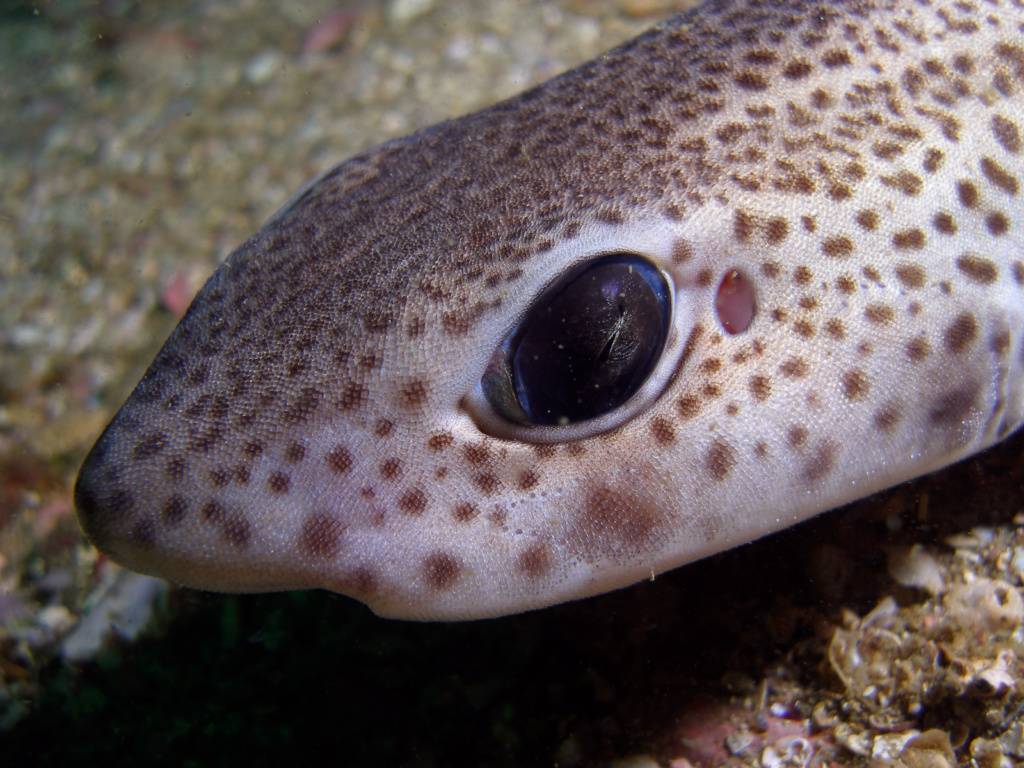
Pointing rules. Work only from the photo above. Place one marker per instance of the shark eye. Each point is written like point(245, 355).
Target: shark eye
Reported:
point(584, 347)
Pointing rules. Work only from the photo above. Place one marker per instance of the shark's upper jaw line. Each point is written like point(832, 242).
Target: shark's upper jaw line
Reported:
point(316, 418)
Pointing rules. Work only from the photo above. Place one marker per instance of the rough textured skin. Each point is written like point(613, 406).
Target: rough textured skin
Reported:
point(859, 163)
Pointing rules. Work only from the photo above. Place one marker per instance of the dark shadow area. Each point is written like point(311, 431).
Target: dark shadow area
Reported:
point(258, 680)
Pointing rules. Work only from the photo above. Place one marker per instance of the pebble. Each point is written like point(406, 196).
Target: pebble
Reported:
point(263, 67)
point(404, 11)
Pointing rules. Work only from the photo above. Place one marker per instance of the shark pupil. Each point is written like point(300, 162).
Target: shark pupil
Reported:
point(586, 346)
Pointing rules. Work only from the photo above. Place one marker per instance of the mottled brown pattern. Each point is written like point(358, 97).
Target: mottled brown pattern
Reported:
point(858, 162)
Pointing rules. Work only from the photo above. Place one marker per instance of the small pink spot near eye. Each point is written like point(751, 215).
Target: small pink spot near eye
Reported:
point(734, 302)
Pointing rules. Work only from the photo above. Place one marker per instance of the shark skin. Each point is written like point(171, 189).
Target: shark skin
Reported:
point(831, 192)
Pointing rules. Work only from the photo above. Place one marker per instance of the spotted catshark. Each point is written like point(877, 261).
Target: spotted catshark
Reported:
point(760, 261)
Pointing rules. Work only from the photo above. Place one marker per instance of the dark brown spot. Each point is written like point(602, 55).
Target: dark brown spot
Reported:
point(542, 451)
point(175, 510)
point(304, 406)
point(821, 99)
point(803, 329)
point(999, 176)
point(742, 226)
point(846, 284)
point(879, 314)
point(838, 247)
point(391, 468)
point(278, 482)
point(383, 427)
point(837, 57)
point(253, 449)
point(978, 269)
point(149, 446)
point(219, 477)
point(918, 348)
point(682, 251)
point(777, 230)
point(796, 436)
point(961, 333)
point(321, 535)
point(689, 406)
point(795, 368)
point(720, 460)
point(534, 561)
point(855, 385)
point(932, 160)
point(867, 219)
point(944, 223)
point(487, 482)
point(997, 223)
point(821, 462)
point(910, 275)
point(295, 453)
point(353, 395)
point(339, 459)
point(440, 440)
point(237, 530)
point(910, 184)
point(414, 393)
point(413, 501)
point(887, 417)
point(176, 469)
point(464, 512)
point(909, 239)
point(751, 81)
point(441, 570)
point(1000, 343)
point(802, 275)
point(611, 521)
point(797, 69)
point(1007, 134)
point(663, 431)
point(476, 453)
point(760, 387)
point(968, 193)
point(528, 480)
point(835, 328)
point(213, 512)
point(954, 406)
